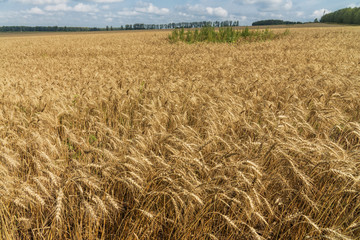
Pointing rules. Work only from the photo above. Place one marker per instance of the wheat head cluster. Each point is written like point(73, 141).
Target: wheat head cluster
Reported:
point(124, 135)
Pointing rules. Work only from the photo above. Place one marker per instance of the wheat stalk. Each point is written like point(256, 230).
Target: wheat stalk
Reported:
point(59, 205)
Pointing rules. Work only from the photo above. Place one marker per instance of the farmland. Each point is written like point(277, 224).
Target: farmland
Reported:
point(124, 135)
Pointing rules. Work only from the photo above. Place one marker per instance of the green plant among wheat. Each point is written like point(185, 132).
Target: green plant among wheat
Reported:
point(223, 35)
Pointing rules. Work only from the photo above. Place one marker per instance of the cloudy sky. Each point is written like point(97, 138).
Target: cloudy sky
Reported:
point(100, 13)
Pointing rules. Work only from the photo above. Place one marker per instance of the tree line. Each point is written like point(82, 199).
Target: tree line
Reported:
point(136, 26)
point(345, 15)
point(273, 22)
point(184, 25)
point(47, 29)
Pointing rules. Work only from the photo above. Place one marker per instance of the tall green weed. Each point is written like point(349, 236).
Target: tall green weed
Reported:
point(223, 35)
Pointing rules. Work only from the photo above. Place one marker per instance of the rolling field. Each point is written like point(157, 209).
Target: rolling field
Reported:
point(125, 136)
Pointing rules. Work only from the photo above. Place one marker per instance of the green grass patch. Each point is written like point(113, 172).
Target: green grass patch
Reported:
point(223, 35)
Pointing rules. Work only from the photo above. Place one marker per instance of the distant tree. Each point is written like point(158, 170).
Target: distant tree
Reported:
point(348, 16)
point(272, 22)
point(345, 15)
point(357, 16)
point(316, 20)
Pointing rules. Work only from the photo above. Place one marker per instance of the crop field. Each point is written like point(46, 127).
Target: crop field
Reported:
point(124, 135)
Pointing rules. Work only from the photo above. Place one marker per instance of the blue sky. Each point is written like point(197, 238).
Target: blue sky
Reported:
point(100, 13)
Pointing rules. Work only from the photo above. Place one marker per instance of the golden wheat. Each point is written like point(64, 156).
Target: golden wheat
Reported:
point(123, 135)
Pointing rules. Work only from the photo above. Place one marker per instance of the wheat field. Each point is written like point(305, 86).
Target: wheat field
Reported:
point(123, 135)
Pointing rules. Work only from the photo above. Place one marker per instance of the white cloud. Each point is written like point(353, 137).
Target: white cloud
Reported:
point(106, 7)
point(353, 5)
point(59, 7)
point(36, 10)
point(127, 13)
point(150, 8)
point(261, 1)
point(107, 1)
point(142, 9)
point(85, 8)
point(41, 2)
point(184, 14)
point(196, 9)
point(300, 14)
point(269, 5)
point(288, 5)
point(271, 15)
point(319, 13)
point(77, 8)
point(202, 11)
point(219, 12)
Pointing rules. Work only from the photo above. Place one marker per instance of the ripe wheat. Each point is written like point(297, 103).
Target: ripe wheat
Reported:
point(124, 135)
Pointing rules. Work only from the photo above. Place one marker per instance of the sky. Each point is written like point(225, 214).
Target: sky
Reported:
point(101, 13)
